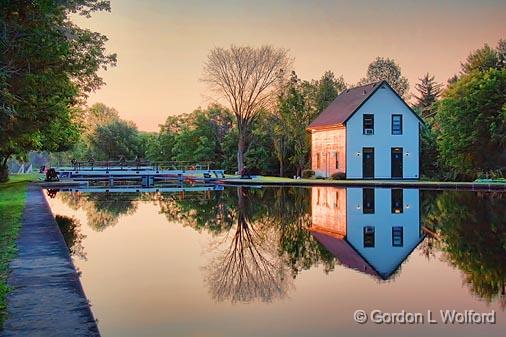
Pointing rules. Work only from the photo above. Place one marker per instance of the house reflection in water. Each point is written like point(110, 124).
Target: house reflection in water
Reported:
point(370, 230)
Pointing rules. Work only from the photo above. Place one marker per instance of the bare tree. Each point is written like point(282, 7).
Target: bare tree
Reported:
point(250, 268)
point(247, 78)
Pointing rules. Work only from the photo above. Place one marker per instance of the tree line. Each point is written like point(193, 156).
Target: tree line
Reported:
point(261, 111)
point(463, 137)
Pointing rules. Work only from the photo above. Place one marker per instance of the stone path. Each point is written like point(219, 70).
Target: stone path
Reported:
point(46, 298)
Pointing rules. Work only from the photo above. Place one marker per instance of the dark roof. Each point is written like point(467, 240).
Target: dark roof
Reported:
point(347, 103)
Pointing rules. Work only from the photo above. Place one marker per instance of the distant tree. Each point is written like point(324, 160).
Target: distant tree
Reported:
point(247, 78)
point(429, 91)
point(115, 140)
point(47, 66)
point(202, 134)
point(387, 69)
point(471, 123)
point(97, 115)
point(259, 157)
point(327, 89)
point(295, 116)
point(484, 58)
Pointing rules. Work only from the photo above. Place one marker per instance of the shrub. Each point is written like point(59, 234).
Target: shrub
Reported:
point(308, 174)
point(338, 176)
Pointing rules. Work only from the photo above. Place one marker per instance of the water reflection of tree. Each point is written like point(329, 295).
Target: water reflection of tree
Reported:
point(291, 212)
point(71, 230)
point(250, 267)
point(211, 211)
point(471, 229)
point(102, 209)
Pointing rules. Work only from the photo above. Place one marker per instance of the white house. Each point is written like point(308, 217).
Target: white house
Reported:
point(370, 230)
point(367, 132)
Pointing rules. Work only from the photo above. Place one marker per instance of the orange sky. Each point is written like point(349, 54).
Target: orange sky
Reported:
point(162, 45)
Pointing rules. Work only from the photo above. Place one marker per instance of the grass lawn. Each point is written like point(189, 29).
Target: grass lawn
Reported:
point(12, 201)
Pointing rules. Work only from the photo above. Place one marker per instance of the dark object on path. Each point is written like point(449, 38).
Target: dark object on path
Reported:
point(308, 174)
point(52, 193)
point(52, 175)
point(245, 173)
point(42, 169)
point(338, 176)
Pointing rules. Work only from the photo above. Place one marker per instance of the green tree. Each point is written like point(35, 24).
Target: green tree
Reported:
point(387, 69)
point(116, 140)
point(327, 89)
point(48, 65)
point(485, 58)
point(471, 123)
point(429, 91)
point(295, 116)
point(201, 135)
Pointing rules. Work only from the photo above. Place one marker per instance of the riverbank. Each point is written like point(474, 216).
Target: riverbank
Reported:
point(12, 202)
point(46, 297)
point(279, 181)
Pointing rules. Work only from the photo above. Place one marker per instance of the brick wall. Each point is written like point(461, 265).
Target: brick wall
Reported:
point(328, 209)
point(327, 144)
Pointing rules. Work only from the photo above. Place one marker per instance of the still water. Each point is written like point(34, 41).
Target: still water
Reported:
point(287, 261)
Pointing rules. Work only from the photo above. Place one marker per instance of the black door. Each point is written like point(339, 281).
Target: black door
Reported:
point(397, 162)
point(368, 162)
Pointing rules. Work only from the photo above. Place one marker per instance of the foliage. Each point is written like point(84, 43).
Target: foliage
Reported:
point(298, 104)
point(485, 58)
point(471, 123)
point(472, 231)
point(429, 91)
point(48, 65)
point(308, 174)
point(338, 176)
point(116, 140)
point(387, 69)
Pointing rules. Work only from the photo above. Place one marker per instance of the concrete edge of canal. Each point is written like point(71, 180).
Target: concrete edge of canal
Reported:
point(472, 186)
point(46, 298)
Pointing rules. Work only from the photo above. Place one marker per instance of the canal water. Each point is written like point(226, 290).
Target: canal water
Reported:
point(289, 261)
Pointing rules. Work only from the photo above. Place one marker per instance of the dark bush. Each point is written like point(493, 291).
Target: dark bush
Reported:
point(308, 174)
point(338, 176)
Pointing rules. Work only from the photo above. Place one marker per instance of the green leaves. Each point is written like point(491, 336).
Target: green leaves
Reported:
point(470, 123)
point(47, 66)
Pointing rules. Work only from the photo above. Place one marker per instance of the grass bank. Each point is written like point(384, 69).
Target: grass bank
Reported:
point(12, 201)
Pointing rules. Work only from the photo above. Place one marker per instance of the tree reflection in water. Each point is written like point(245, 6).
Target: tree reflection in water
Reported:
point(71, 231)
point(102, 209)
point(261, 242)
point(471, 232)
point(249, 268)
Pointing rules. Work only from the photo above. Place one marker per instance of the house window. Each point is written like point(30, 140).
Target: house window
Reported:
point(397, 236)
point(369, 236)
point(318, 163)
point(337, 199)
point(368, 124)
point(396, 124)
point(337, 160)
point(368, 200)
point(397, 204)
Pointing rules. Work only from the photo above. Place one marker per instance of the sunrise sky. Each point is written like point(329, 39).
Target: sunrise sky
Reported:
point(162, 45)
